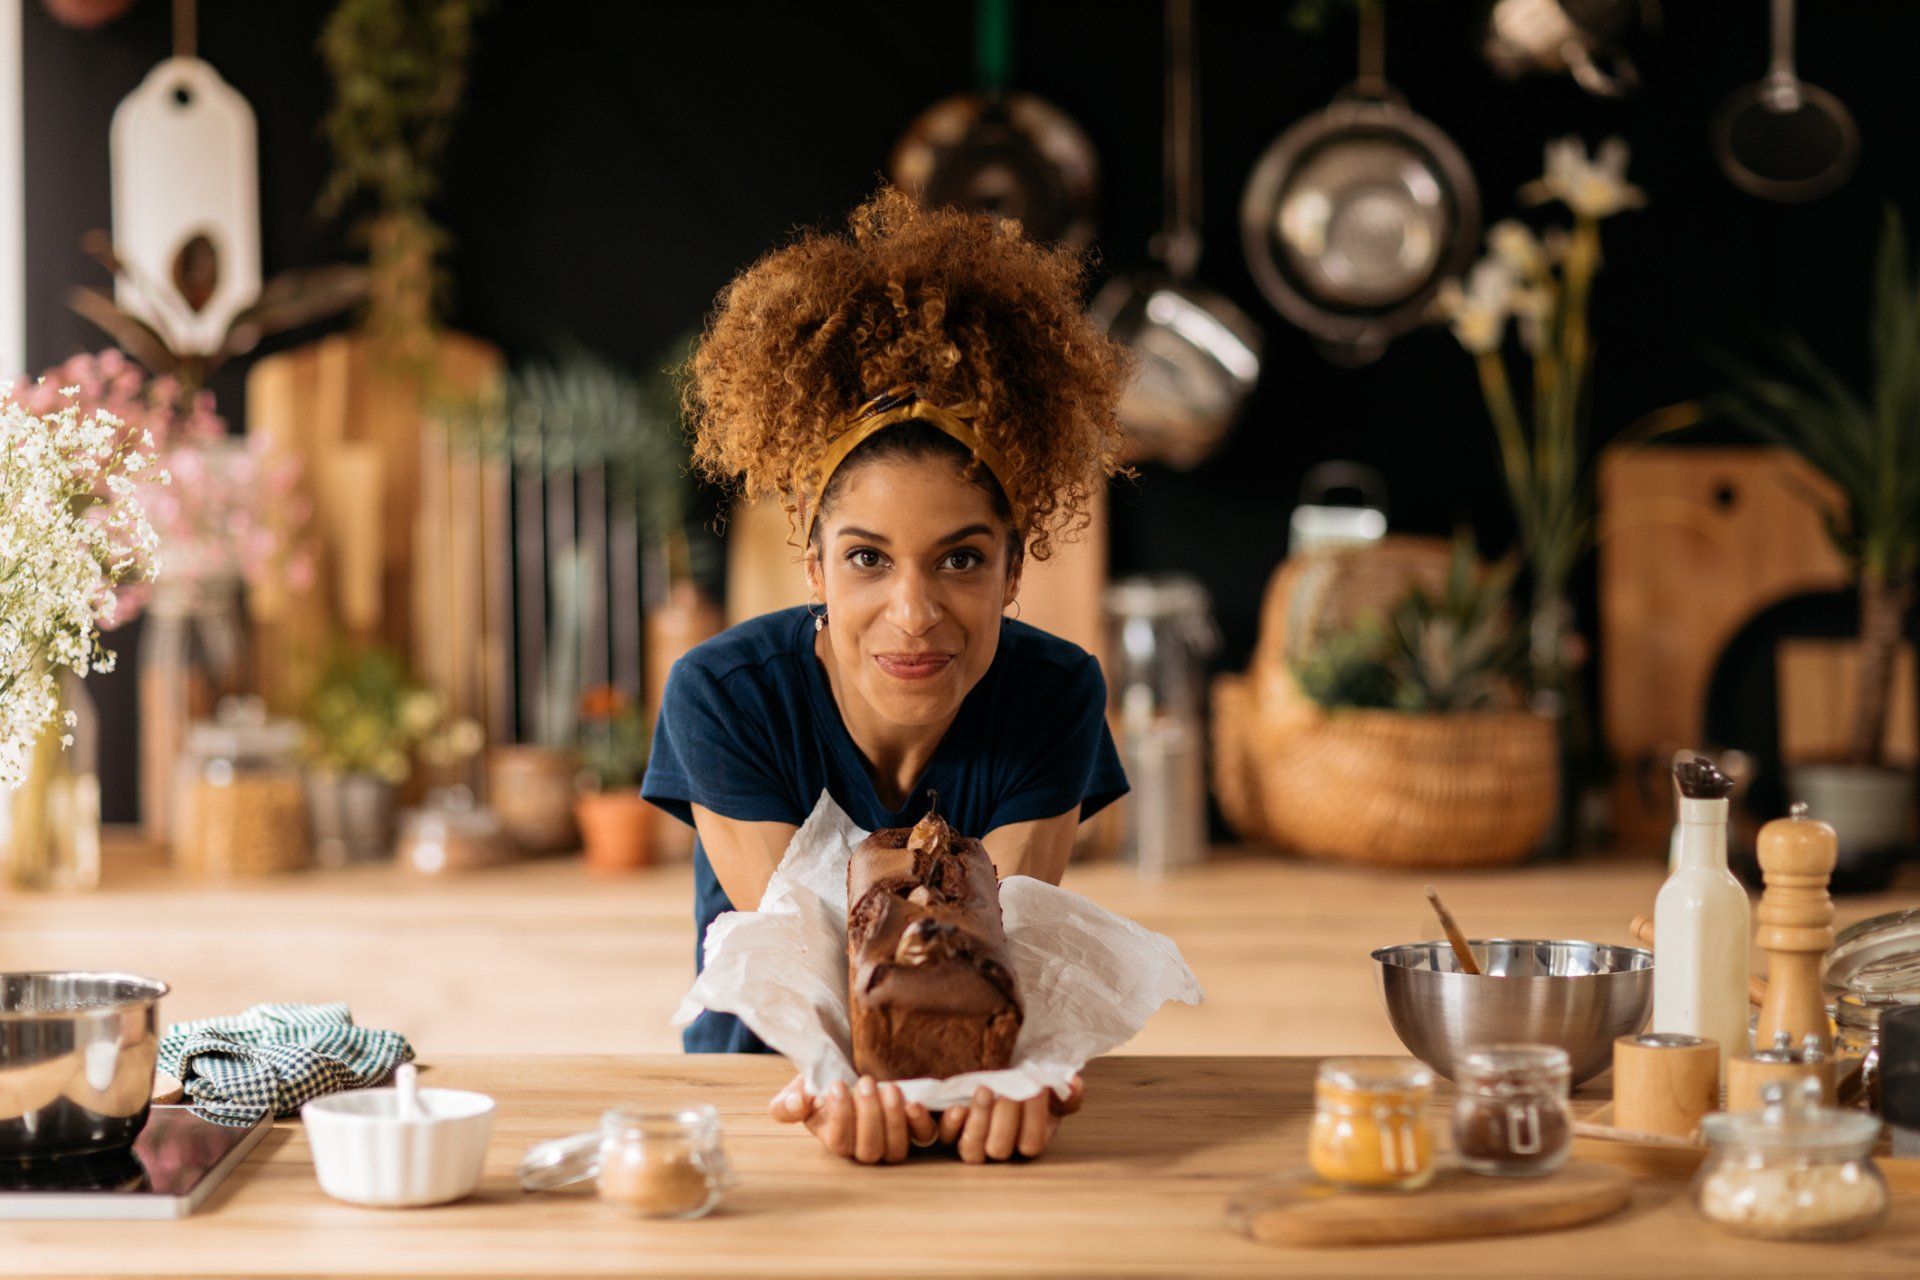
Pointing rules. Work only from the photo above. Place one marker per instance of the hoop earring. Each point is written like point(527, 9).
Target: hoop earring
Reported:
point(1016, 612)
point(819, 619)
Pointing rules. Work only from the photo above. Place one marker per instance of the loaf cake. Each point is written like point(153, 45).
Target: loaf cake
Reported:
point(930, 989)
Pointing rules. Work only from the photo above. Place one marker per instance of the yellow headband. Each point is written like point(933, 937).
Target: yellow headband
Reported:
point(900, 404)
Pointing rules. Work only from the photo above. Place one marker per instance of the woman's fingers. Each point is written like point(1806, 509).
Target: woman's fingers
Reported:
point(833, 1122)
point(1003, 1131)
point(1076, 1094)
point(791, 1104)
point(922, 1129)
point(869, 1129)
point(1037, 1123)
point(973, 1135)
point(952, 1121)
point(893, 1113)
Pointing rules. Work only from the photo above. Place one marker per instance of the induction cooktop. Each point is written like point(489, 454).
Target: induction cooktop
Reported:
point(175, 1163)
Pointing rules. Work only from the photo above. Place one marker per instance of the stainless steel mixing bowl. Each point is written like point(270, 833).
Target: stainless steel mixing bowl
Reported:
point(1579, 996)
point(77, 1057)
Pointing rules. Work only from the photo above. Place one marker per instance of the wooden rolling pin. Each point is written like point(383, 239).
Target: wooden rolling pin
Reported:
point(1642, 930)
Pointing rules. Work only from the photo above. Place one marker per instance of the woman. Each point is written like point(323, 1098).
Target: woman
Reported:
point(929, 403)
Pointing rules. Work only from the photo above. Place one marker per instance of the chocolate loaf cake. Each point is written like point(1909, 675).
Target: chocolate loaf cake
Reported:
point(931, 991)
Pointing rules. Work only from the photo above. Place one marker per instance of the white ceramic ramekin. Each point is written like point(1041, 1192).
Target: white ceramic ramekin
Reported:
point(365, 1153)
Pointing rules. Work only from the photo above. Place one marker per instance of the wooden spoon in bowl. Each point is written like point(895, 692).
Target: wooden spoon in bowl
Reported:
point(1461, 951)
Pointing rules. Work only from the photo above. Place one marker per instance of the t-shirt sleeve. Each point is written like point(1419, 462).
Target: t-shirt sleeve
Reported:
point(713, 746)
point(1070, 757)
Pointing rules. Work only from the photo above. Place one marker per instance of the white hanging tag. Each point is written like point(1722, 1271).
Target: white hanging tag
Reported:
point(186, 204)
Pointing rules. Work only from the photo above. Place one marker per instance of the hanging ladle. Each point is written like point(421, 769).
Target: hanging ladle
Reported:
point(1781, 138)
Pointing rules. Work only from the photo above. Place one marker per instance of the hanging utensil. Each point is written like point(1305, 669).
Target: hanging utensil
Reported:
point(1586, 39)
point(186, 205)
point(1781, 138)
point(1353, 217)
point(1199, 354)
point(1001, 151)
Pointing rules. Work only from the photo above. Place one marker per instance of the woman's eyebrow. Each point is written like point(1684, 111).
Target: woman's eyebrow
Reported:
point(867, 535)
point(961, 535)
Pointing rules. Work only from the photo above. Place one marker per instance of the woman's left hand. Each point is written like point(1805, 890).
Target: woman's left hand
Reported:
point(995, 1128)
point(870, 1123)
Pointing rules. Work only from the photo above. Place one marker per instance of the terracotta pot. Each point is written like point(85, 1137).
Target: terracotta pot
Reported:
point(683, 621)
point(531, 789)
point(617, 828)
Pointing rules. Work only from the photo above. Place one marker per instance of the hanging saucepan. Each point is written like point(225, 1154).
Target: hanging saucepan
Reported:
point(1199, 354)
point(1354, 216)
point(1000, 151)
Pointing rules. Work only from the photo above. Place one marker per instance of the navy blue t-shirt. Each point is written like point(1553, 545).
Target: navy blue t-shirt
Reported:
point(749, 730)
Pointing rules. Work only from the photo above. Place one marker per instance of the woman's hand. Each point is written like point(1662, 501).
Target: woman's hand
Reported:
point(993, 1128)
point(870, 1123)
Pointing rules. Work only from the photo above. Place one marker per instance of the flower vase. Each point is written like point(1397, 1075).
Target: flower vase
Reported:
point(1557, 695)
point(50, 823)
point(192, 652)
point(352, 816)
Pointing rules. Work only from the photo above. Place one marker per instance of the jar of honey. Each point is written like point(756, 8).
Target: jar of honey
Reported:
point(1369, 1124)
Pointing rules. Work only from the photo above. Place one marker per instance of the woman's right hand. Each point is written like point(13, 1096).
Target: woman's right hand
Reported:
point(870, 1123)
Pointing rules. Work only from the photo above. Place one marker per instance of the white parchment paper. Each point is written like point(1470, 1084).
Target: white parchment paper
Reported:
point(1088, 979)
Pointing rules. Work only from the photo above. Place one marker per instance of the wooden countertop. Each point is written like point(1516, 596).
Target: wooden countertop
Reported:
point(545, 954)
point(1135, 1185)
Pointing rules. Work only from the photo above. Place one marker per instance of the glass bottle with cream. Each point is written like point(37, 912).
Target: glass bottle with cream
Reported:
point(1701, 922)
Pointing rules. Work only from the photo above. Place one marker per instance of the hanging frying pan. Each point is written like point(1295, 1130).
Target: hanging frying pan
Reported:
point(1354, 216)
point(1199, 354)
point(1001, 151)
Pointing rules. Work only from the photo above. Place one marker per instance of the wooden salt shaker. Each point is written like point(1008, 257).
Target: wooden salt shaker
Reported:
point(1797, 856)
point(1664, 1083)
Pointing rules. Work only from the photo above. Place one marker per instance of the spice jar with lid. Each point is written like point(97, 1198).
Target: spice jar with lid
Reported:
point(1794, 1170)
point(1369, 1124)
point(652, 1164)
point(1510, 1116)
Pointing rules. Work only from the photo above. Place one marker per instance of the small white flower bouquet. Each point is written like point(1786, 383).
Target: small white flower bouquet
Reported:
point(72, 529)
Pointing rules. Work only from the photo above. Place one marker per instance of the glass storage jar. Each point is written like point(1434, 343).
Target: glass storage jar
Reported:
point(1369, 1124)
point(240, 805)
point(1510, 1115)
point(1794, 1170)
point(650, 1163)
point(1856, 1020)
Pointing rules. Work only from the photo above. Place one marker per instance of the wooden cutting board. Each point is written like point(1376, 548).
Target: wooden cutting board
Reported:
point(1301, 1211)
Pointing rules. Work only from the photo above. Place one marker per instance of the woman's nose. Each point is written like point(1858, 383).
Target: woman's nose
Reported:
point(913, 610)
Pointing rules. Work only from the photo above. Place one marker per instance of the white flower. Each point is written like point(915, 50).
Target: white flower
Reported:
point(1513, 242)
point(1596, 188)
point(1532, 309)
point(1478, 313)
point(71, 529)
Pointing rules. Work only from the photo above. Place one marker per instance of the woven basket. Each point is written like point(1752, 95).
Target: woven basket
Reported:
point(1383, 787)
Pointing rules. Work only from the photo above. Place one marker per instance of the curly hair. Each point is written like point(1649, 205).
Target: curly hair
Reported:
point(960, 305)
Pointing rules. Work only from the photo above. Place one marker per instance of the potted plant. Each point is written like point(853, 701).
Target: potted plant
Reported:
point(72, 530)
point(363, 720)
point(616, 825)
point(1867, 443)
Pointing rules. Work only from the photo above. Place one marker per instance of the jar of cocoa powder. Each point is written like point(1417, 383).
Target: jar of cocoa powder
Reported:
point(1510, 1116)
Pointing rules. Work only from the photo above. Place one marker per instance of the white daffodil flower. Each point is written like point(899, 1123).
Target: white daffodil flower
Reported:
point(1513, 242)
point(1478, 313)
point(1532, 311)
point(1592, 188)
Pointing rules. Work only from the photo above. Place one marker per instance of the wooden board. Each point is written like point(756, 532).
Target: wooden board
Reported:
point(1302, 1211)
point(1816, 691)
point(1692, 544)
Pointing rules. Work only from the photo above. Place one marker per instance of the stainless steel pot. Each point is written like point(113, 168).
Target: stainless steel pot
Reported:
point(1354, 216)
point(77, 1058)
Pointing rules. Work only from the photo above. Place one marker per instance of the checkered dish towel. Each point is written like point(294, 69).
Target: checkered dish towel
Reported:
point(274, 1057)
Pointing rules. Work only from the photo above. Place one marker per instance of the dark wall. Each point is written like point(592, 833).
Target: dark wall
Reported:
point(618, 161)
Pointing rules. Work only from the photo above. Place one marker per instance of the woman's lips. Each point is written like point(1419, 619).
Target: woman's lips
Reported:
point(913, 666)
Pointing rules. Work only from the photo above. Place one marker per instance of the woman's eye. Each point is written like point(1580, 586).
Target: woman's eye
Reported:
point(965, 558)
point(865, 558)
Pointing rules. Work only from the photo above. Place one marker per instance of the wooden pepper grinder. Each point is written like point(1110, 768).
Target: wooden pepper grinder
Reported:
point(1797, 855)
